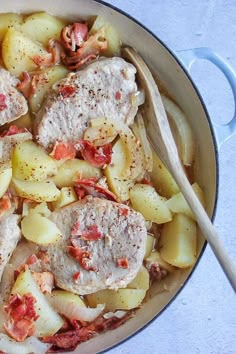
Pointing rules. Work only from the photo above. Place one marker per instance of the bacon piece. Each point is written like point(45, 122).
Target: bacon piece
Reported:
point(24, 86)
point(123, 211)
point(92, 234)
point(43, 256)
point(21, 316)
point(3, 104)
point(45, 281)
point(123, 263)
point(88, 50)
point(12, 130)
point(155, 271)
point(76, 276)
point(70, 339)
point(76, 229)
point(118, 95)
point(98, 157)
point(43, 61)
point(56, 49)
point(5, 204)
point(73, 36)
point(67, 91)
point(91, 187)
point(146, 181)
point(63, 151)
point(80, 255)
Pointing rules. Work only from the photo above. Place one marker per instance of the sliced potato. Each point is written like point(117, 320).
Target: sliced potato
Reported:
point(150, 243)
point(161, 178)
point(178, 204)
point(42, 26)
point(5, 179)
point(117, 184)
point(9, 20)
point(18, 51)
point(67, 297)
point(42, 209)
point(31, 163)
point(37, 191)
point(149, 203)
point(51, 76)
point(67, 197)
point(71, 170)
point(111, 35)
point(121, 299)
point(39, 229)
point(48, 322)
point(155, 257)
point(178, 241)
point(141, 281)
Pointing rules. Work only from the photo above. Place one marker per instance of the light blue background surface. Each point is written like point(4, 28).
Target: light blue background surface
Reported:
point(202, 319)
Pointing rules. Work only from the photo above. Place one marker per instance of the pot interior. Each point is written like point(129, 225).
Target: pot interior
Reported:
point(180, 88)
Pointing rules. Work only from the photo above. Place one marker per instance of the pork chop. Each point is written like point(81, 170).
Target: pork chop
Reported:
point(106, 246)
point(12, 102)
point(9, 236)
point(105, 88)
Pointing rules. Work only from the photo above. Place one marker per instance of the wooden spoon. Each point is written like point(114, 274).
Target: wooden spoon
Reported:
point(161, 138)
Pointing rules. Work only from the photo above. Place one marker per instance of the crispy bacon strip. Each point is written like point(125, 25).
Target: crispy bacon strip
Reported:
point(21, 316)
point(71, 338)
point(98, 157)
point(80, 255)
point(63, 151)
point(12, 131)
point(89, 186)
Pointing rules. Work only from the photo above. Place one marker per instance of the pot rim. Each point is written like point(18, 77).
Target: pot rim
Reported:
point(173, 54)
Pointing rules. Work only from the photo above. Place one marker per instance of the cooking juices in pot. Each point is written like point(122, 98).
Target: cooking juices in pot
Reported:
point(89, 215)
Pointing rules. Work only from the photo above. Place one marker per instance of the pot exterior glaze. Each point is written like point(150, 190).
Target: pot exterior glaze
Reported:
point(180, 87)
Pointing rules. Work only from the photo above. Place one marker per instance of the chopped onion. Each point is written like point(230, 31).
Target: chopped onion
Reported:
point(30, 345)
point(73, 310)
point(7, 282)
point(181, 130)
point(117, 314)
point(139, 131)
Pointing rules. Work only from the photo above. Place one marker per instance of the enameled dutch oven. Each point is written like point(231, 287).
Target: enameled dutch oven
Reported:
point(173, 74)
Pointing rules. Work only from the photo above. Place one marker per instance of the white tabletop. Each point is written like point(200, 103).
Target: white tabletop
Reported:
point(202, 319)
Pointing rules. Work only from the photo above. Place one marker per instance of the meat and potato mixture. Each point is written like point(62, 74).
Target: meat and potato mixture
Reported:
point(89, 215)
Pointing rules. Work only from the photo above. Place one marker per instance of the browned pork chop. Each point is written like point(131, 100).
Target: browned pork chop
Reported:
point(12, 102)
point(9, 236)
point(112, 238)
point(105, 88)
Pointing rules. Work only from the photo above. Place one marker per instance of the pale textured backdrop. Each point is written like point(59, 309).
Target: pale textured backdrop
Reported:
point(202, 319)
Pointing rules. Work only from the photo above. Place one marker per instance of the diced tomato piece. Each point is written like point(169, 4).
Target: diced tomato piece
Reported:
point(63, 151)
point(98, 157)
point(67, 91)
point(12, 131)
point(3, 104)
point(123, 263)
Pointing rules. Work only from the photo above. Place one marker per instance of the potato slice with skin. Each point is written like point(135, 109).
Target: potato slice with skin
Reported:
point(37, 191)
point(31, 163)
point(48, 322)
point(161, 178)
point(42, 26)
point(149, 203)
point(178, 204)
point(51, 75)
point(111, 35)
point(121, 299)
point(9, 20)
point(18, 51)
point(116, 183)
point(178, 241)
point(39, 229)
point(67, 197)
point(141, 281)
point(5, 179)
point(71, 170)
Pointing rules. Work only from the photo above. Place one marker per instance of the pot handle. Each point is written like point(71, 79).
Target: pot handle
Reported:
point(222, 131)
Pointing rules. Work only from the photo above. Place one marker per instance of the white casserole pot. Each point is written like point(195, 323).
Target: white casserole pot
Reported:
point(174, 76)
